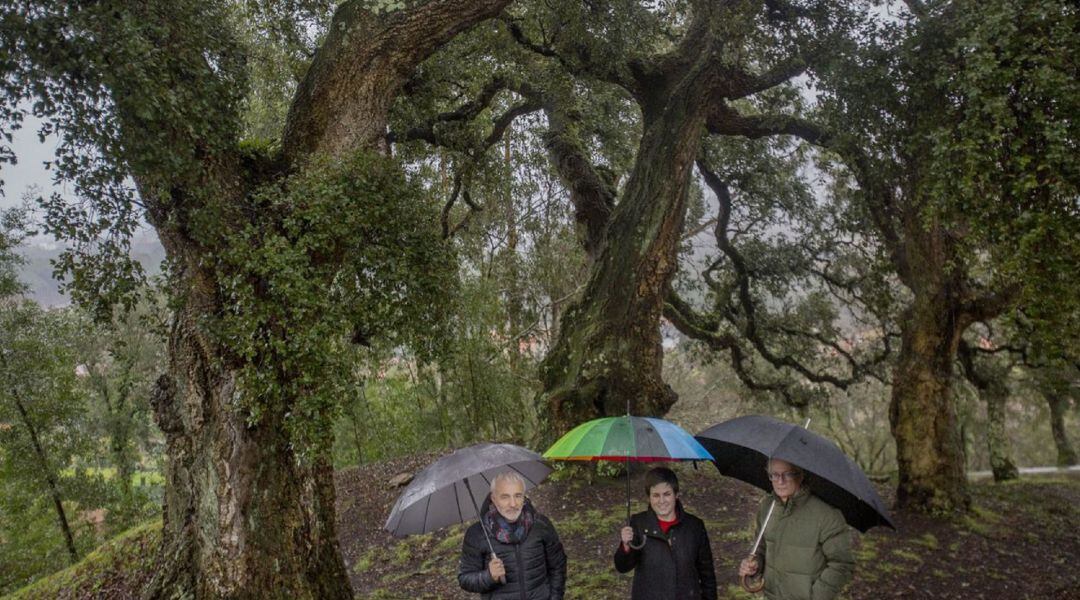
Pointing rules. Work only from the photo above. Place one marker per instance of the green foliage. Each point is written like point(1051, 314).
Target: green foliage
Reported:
point(339, 253)
point(43, 429)
point(1005, 153)
point(128, 90)
point(967, 115)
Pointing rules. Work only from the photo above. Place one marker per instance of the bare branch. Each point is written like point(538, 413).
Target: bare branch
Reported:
point(746, 321)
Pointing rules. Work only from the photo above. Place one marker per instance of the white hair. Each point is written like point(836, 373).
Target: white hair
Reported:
point(512, 476)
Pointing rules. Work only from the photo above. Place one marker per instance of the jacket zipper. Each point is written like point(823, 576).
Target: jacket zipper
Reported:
point(521, 569)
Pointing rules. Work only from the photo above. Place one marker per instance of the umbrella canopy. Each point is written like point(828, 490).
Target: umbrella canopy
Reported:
point(450, 489)
point(741, 448)
point(626, 438)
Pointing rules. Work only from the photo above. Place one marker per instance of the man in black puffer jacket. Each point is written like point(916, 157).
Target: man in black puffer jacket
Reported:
point(666, 547)
point(528, 562)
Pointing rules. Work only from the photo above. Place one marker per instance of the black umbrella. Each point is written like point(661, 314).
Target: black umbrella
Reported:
point(742, 447)
point(451, 489)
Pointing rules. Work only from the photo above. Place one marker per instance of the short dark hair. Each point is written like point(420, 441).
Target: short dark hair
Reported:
point(658, 475)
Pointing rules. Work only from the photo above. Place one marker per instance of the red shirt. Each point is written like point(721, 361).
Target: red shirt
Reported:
point(666, 525)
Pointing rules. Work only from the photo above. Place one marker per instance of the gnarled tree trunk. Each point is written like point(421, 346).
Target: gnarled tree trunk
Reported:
point(922, 413)
point(997, 440)
point(608, 355)
point(246, 516)
point(1066, 453)
point(989, 380)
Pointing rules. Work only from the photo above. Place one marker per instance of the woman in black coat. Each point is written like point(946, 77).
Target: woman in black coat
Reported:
point(666, 547)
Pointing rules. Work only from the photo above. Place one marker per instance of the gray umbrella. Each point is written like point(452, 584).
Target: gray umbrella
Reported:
point(742, 446)
point(451, 489)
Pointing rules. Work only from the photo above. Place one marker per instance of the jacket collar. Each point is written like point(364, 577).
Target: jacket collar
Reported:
point(794, 502)
point(652, 526)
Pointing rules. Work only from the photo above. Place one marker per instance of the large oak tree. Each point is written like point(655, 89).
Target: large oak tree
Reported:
point(277, 252)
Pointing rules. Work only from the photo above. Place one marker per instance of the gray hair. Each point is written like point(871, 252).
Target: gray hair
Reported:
point(512, 476)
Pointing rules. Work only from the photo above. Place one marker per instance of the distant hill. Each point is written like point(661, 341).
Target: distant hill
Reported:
point(37, 273)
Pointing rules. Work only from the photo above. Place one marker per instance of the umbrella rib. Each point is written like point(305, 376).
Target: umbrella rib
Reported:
point(520, 472)
point(457, 500)
point(426, 507)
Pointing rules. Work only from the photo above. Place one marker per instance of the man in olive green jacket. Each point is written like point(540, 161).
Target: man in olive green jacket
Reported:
point(806, 550)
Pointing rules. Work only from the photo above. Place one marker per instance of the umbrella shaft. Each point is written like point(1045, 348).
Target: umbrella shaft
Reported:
point(761, 533)
point(479, 516)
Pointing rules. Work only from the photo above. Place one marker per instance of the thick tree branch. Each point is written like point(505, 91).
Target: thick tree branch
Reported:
point(342, 103)
point(703, 329)
point(592, 190)
point(752, 84)
point(581, 62)
point(466, 112)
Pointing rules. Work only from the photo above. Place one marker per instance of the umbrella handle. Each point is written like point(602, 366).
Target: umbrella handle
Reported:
point(752, 584)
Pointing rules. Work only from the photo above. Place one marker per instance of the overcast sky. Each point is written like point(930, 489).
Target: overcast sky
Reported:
point(30, 171)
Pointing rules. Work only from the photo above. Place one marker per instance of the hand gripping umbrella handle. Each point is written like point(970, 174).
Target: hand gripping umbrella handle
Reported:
point(756, 583)
point(753, 584)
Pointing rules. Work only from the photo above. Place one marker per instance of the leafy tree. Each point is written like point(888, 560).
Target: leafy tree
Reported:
point(961, 117)
point(953, 121)
point(121, 361)
point(280, 253)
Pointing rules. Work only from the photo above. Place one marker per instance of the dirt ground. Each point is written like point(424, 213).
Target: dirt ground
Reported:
point(1021, 540)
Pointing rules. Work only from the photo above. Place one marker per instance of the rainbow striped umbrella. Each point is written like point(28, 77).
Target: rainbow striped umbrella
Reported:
point(627, 439)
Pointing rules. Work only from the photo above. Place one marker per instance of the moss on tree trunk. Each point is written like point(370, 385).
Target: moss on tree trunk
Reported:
point(922, 413)
point(608, 355)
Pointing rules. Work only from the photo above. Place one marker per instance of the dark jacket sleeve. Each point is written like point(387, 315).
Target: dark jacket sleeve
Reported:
point(473, 575)
point(705, 568)
point(556, 563)
point(626, 561)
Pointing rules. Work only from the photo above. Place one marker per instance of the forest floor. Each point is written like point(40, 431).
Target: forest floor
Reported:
point(1020, 540)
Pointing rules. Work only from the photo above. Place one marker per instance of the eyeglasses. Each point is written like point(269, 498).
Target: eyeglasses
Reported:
point(785, 476)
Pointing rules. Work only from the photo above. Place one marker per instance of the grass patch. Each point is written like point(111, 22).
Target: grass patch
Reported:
point(593, 523)
point(928, 540)
point(907, 555)
point(366, 561)
point(592, 580)
point(866, 551)
point(981, 520)
point(736, 592)
point(131, 552)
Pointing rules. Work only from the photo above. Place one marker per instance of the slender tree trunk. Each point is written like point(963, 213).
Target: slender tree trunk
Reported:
point(1066, 454)
point(1001, 462)
point(119, 447)
point(922, 413)
point(357, 429)
point(989, 380)
point(50, 479)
